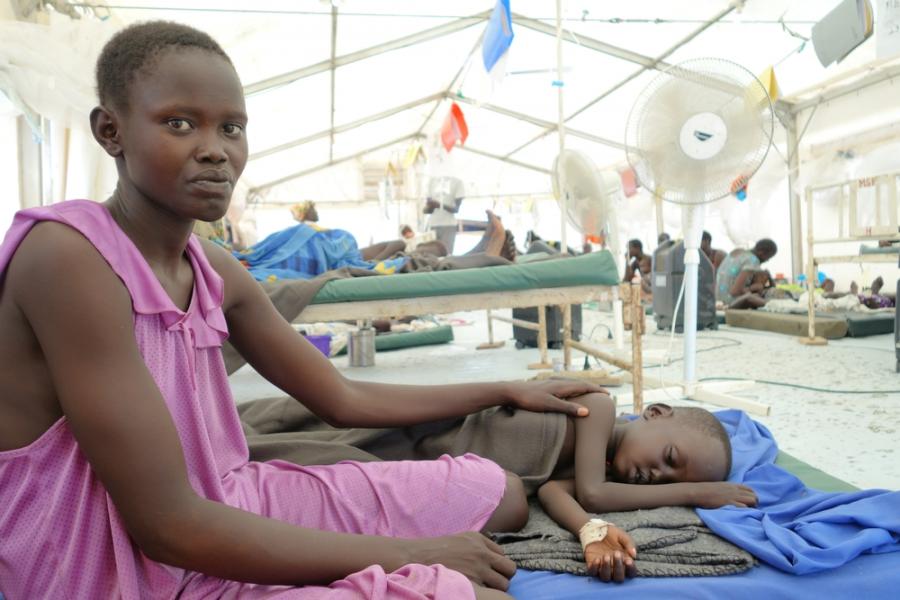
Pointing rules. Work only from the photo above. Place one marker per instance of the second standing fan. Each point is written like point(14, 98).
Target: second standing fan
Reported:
point(698, 130)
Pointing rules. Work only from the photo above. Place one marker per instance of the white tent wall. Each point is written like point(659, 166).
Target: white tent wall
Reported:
point(851, 137)
point(513, 122)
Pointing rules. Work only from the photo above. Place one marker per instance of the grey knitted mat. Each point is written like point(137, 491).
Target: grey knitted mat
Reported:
point(670, 541)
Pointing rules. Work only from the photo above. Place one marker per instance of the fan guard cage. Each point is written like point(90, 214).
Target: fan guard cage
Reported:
point(697, 129)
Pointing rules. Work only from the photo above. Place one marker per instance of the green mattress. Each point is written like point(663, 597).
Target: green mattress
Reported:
point(597, 268)
point(828, 325)
point(411, 339)
point(811, 476)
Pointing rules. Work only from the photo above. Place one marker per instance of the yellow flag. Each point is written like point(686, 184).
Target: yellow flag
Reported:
point(412, 154)
point(770, 83)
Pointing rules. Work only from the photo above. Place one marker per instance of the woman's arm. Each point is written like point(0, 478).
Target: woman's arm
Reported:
point(82, 316)
point(739, 286)
point(283, 357)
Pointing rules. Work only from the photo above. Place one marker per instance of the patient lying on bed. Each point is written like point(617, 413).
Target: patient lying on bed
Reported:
point(307, 250)
point(874, 299)
point(666, 457)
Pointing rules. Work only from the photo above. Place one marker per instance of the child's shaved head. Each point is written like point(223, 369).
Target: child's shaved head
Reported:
point(705, 422)
point(134, 49)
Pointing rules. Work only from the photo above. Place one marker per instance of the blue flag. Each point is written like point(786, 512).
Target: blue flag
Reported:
point(498, 36)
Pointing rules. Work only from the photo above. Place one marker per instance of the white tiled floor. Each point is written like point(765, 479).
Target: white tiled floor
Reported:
point(855, 437)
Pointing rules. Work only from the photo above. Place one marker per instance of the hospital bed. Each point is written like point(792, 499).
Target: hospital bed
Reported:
point(557, 282)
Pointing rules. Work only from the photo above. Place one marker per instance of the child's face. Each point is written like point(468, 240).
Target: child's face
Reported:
point(661, 450)
point(183, 137)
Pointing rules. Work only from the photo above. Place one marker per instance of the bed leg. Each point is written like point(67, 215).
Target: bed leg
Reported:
point(542, 340)
point(490, 344)
point(637, 367)
point(567, 336)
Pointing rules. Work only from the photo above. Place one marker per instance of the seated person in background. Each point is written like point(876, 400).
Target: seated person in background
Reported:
point(715, 255)
point(738, 266)
point(759, 288)
point(638, 262)
point(666, 457)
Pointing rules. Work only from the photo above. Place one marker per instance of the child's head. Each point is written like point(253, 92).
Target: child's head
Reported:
point(305, 211)
point(407, 232)
point(669, 445)
point(172, 114)
point(762, 276)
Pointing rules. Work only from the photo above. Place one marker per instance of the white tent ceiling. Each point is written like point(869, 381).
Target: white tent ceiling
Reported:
point(330, 81)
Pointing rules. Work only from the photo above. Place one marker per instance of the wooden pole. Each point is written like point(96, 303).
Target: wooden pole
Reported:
point(637, 369)
point(542, 340)
point(812, 339)
point(490, 344)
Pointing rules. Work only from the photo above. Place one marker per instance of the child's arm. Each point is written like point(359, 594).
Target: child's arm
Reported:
point(283, 357)
point(82, 317)
point(611, 559)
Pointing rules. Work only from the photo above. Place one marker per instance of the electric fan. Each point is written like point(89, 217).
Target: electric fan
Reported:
point(696, 134)
point(591, 196)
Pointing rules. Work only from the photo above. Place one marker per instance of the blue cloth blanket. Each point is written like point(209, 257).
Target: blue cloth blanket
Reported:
point(303, 252)
point(794, 528)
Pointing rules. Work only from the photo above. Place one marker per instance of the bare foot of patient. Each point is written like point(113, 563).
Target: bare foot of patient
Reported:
point(495, 235)
point(509, 251)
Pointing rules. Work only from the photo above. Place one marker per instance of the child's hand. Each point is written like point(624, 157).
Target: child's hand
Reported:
point(613, 558)
point(715, 494)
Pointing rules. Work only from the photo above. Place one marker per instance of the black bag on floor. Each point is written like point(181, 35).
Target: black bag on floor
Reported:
point(527, 337)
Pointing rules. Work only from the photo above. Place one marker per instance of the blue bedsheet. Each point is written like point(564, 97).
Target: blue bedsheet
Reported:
point(797, 529)
point(303, 251)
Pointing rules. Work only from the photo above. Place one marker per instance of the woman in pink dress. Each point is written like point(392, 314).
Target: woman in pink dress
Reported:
point(123, 468)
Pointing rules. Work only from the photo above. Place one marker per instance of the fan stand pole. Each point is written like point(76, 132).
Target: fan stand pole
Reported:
point(692, 224)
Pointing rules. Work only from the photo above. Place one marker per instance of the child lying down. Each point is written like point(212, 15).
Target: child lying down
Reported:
point(666, 457)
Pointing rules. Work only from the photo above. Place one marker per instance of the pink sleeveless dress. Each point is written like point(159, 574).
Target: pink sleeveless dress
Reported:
point(61, 536)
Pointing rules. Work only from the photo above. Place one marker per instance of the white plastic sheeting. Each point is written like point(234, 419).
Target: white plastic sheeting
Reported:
point(48, 69)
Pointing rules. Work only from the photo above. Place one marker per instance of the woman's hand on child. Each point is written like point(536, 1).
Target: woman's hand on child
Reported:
point(715, 494)
point(552, 395)
point(471, 553)
point(613, 558)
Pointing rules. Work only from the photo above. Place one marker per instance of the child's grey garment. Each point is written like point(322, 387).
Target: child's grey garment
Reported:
point(525, 443)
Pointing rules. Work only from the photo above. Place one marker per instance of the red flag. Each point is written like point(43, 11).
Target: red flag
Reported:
point(454, 128)
point(629, 182)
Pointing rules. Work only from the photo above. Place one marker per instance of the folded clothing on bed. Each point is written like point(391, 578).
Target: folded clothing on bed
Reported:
point(795, 528)
point(671, 542)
